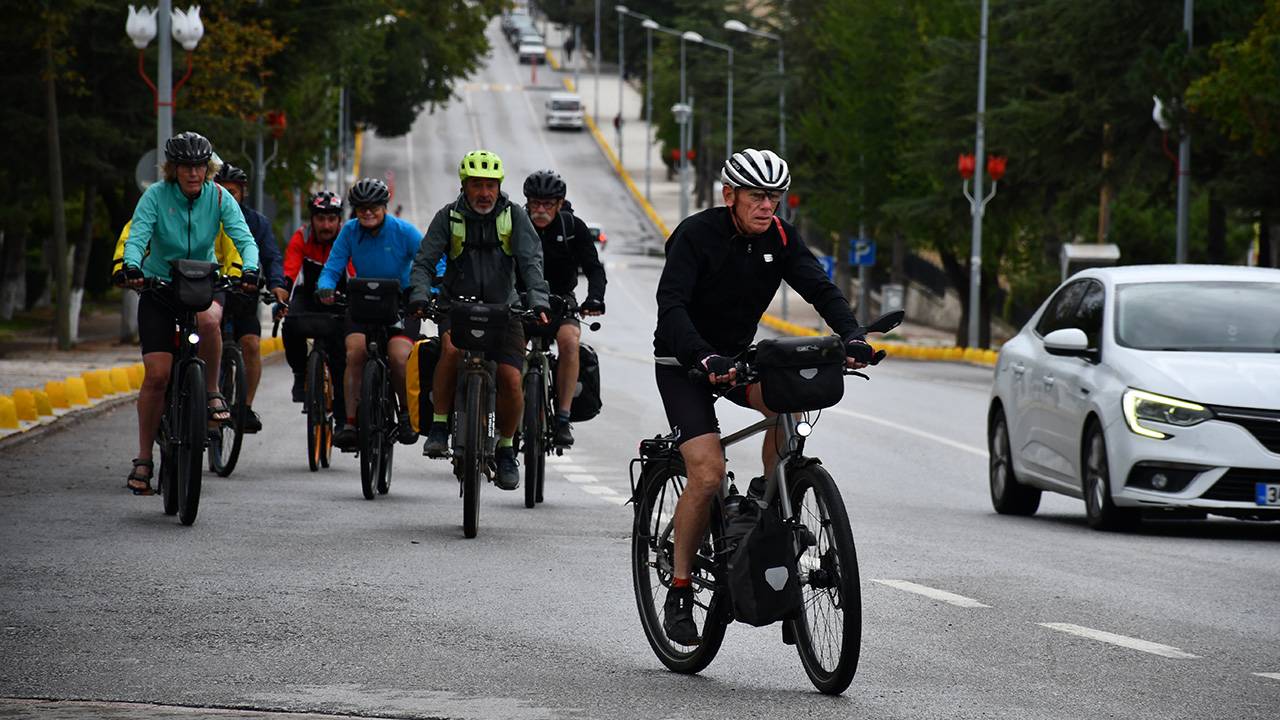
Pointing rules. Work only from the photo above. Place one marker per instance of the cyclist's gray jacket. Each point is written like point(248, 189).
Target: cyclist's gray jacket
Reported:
point(483, 264)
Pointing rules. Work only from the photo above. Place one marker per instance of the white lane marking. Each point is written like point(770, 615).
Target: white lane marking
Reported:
point(1271, 676)
point(934, 593)
point(1121, 640)
point(599, 490)
point(582, 479)
point(980, 452)
point(568, 468)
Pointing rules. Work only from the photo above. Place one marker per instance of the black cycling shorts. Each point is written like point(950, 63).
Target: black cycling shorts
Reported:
point(409, 329)
point(512, 351)
point(158, 321)
point(240, 315)
point(690, 404)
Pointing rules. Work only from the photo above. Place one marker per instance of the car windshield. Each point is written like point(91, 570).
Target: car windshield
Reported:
point(568, 105)
point(1199, 316)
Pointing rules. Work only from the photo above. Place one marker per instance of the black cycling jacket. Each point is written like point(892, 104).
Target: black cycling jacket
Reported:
point(566, 246)
point(717, 284)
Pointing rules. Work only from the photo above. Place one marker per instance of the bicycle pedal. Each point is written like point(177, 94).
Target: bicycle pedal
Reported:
point(788, 635)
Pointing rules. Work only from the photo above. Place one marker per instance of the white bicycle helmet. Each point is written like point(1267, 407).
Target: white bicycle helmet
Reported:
point(760, 169)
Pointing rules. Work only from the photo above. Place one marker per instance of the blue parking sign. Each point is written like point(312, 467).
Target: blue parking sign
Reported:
point(862, 251)
point(828, 264)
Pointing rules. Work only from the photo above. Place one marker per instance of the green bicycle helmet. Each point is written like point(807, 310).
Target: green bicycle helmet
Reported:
point(481, 164)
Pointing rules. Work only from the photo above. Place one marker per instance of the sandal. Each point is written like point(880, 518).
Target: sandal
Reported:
point(220, 413)
point(140, 484)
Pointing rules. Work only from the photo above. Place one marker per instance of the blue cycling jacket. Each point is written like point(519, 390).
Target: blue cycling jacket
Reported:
point(387, 254)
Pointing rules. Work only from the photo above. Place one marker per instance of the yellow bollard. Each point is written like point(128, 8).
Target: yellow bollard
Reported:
point(91, 385)
point(43, 406)
point(25, 405)
point(8, 414)
point(120, 380)
point(136, 373)
point(57, 391)
point(77, 391)
point(104, 382)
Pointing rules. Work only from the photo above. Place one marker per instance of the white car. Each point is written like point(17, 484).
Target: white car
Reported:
point(532, 53)
point(564, 110)
point(1145, 387)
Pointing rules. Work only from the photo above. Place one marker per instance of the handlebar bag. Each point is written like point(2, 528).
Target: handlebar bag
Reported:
point(193, 284)
point(479, 326)
point(374, 301)
point(763, 582)
point(802, 373)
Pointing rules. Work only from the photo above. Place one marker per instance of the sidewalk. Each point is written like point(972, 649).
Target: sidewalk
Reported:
point(660, 197)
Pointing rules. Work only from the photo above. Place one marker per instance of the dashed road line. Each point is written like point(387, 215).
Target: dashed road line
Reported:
point(933, 593)
point(1269, 676)
point(581, 479)
point(980, 452)
point(1121, 640)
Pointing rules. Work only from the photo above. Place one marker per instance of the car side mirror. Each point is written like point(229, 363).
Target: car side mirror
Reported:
point(1068, 342)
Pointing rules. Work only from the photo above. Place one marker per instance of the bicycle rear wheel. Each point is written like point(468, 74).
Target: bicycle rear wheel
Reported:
point(371, 428)
point(388, 441)
point(652, 566)
point(225, 442)
point(318, 426)
point(473, 456)
point(192, 430)
point(533, 436)
point(828, 631)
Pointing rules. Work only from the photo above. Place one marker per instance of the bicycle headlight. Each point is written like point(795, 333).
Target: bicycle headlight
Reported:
point(193, 338)
point(804, 429)
point(1142, 407)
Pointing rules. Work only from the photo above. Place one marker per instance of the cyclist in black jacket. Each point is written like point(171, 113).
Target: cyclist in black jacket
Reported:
point(567, 245)
point(724, 265)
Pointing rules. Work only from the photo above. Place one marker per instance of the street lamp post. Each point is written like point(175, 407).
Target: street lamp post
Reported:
point(1184, 155)
point(649, 26)
point(168, 24)
point(739, 26)
point(728, 133)
point(595, 60)
point(977, 205)
point(683, 110)
point(622, 76)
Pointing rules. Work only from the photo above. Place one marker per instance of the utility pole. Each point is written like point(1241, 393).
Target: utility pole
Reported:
point(1184, 153)
point(975, 254)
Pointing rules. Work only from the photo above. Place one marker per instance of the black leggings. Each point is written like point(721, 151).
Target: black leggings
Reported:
point(295, 353)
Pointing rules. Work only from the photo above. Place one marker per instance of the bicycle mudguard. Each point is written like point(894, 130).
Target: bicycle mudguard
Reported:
point(652, 450)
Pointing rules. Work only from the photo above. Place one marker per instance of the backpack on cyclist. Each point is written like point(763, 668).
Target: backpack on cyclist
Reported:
point(419, 375)
point(586, 396)
point(762, 578)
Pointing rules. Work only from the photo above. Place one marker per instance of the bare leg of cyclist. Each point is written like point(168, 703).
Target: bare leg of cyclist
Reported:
point(444, 384)
point(209, 325)
point(155, 380)
point(398, 351)
point(355, 368)
point(510, 401)
point(772, 437)
point(251, 349)
point(567, 340)
point(704, 462)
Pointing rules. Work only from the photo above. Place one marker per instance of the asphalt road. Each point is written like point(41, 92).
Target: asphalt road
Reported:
point(294, 594)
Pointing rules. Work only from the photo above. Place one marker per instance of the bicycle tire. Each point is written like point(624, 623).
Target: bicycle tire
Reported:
point(829, 656)
point(317, 416)
point(192, 430)
point(473, 457)
point(652, 567)
point(533, 435)
point(224, 453)
point(389, 440)
point(371, 429)
point(168, 491)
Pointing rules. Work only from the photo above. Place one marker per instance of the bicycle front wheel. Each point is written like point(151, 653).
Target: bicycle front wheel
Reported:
point(388, 440)
point(189, 458)
point(318, 427)
point(473, 456)
point(168, 458)
point(533, 436)
point(224, 450)
point(828, 630)
point(652, 569)
point(371, 427)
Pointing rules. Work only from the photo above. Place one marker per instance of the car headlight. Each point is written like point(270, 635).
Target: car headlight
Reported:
point(1141, 406)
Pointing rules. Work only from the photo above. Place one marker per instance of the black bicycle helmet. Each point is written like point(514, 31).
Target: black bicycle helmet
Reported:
point(325, 201)
point(545, 184)
point(188, 148)
point(368, 191)
point(229, 173)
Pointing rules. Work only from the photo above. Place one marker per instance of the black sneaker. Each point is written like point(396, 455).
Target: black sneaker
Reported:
point(347, 438)
point(677, 617)
point(564, 433)
point(508, 477)
point(252, 421)
point(437, 444)
point(299, 387)
point(406, 434)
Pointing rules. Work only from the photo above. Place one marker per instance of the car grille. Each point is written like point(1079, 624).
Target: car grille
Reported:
point(1238, 484)
point(1263, 424)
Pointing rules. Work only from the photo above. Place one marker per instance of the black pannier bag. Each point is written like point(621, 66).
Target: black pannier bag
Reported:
point(374, 301)
point(763, 582)
point(479, 326)
point(193, 283)
point(586, 396)
point(800, 374)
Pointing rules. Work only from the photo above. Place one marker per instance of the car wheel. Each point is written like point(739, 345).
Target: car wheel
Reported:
point(1100, 510)
point(1008, 496)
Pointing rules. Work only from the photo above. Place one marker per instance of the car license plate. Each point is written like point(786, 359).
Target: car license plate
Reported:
point(1266, 494)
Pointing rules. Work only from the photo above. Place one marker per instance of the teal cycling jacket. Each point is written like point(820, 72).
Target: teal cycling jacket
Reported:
point(167, 225)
